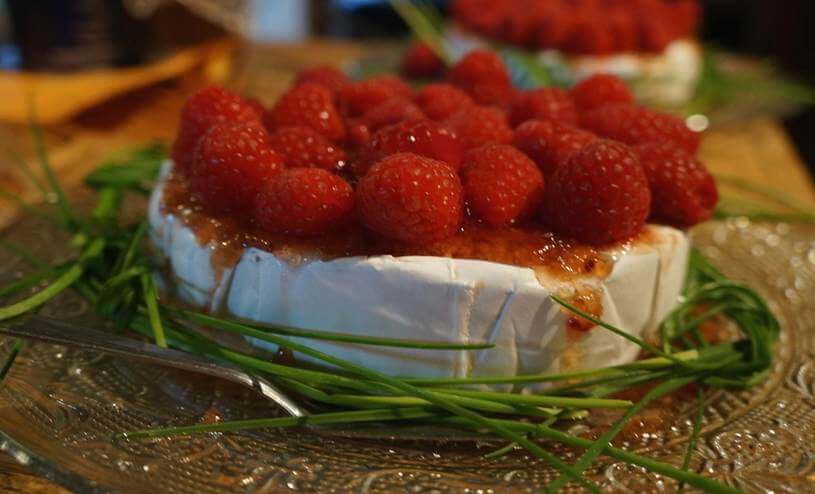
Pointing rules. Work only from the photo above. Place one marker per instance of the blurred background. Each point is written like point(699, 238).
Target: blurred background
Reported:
point(65, 36)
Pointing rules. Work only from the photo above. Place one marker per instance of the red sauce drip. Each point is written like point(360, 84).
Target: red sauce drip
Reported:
point(211, 416)
point(284, 356)
point(534, 248)
point(589, 301)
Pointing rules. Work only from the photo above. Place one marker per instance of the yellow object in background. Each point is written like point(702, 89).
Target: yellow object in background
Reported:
point(57, 97)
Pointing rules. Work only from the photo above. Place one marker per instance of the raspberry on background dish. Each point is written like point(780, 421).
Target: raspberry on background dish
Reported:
point(423, 213)
point(652, 42)
point(588, 28)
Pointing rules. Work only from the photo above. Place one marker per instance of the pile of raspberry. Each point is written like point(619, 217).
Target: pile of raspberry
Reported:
point(414, 166)
point(581, 26)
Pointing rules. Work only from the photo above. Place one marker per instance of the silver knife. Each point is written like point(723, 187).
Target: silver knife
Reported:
point(73, 335)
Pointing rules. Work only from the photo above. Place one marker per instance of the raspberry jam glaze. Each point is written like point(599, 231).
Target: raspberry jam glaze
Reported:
point(536, 249)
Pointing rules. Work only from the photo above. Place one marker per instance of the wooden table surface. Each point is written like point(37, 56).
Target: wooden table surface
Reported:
point(758, 150)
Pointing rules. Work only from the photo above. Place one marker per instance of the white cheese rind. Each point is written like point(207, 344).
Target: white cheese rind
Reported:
point(668, 78)
point(431, 299)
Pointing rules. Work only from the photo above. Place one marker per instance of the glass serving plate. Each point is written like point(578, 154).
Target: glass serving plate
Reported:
point(60, 410)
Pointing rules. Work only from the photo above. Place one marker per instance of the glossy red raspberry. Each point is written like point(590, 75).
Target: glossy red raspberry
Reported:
point(548, 103)
point(232, 161)
point(359, 97)
point(207, 107)
point(358, 133)
point(600, 197)
point(501, 184)
point(550, 144)
point(483, 75)
point(257, 106)
point(304, 147)
point(424, 138)
point(599, 90)
point(325, 75)
point(637, 125)
point(420, 61)
point(411, 198)
point(439, 101)
point(310, 105)
point(683, 192)
point(304, 201)
point(480, 125)
point(392, 111)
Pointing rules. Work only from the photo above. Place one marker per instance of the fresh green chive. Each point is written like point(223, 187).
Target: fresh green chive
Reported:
point(604, 440)
point(697, 427)
point(10, 358)
point(151, 301)
point(264, 332)
point(42, 154)
point(65, 280)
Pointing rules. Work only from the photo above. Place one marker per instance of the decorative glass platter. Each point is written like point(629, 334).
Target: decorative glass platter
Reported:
point(60, 410)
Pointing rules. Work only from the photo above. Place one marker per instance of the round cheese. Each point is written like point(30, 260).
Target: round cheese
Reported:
point(436, 299)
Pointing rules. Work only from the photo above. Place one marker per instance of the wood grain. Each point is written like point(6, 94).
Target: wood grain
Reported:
point(757, 150)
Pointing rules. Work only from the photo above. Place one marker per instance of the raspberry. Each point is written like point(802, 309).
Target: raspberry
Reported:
point(601, 196)
point(683, 191)
point(439, 101)
point(358, 133)
point(424, 138)
point(550, 144)
point(420, 61)
point(555, 26)
point(303, 147)
point(257, 106)
point(655, 35)
point(549, 103)
point(636, 125)
point(624, 30)
point(520, 26)
point(310, 105)
point(501, 184)
point(600, 89)
point(325, 75)
point(482, 16)
point(207, 107)
point(686, 15)
point(392, 111)
point(304, 201)
point(359, 97)
point(483, 76)
point(231, 162)
point(411, 198)
point(480, 125)
point(590, 36)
